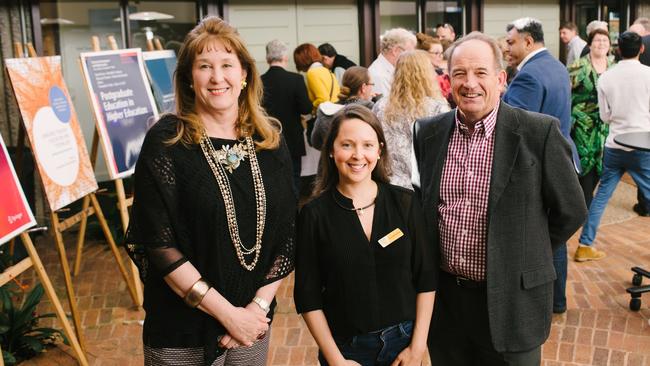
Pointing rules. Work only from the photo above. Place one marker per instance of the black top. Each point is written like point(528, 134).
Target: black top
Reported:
point(644, 57)
point(361, 286)
point(178, 215)
point(342, 61)
point(285, 98)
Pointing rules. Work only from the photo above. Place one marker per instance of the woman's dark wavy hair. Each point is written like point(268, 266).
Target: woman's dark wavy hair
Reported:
point(328, 174)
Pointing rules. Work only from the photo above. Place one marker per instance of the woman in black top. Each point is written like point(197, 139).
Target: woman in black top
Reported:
point(365, 271)
point(212, 226)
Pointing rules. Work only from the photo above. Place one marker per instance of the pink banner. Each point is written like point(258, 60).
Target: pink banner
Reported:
point(15, 214)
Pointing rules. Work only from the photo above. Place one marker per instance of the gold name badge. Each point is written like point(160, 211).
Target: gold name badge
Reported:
point(391, 237)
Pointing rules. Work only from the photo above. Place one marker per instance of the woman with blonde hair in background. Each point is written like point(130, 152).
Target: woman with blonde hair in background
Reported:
point(414, 95)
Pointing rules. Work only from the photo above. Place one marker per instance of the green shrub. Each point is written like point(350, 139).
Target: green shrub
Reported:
point(20, 336)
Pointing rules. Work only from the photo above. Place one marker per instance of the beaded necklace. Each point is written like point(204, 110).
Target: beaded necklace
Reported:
point(215, 160)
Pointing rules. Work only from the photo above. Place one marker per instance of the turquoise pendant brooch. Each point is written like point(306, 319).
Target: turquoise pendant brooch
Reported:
point(231, 157)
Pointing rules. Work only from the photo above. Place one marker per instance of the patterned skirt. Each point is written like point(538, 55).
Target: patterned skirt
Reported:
point(254, 355)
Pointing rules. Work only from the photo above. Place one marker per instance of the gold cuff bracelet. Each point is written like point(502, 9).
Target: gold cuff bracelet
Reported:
point(196, 293)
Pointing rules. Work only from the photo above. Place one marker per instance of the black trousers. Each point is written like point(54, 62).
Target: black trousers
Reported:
point(460, 333)
point(588, 182)
point(642, 201)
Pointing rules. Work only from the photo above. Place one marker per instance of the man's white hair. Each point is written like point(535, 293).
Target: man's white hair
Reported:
point(596, 24)
point(396, 37)
point(522, 23)
point(638, 29)
point(644, 22)
point(276, 50)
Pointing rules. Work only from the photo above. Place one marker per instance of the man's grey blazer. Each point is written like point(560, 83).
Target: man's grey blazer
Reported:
point(535, 204)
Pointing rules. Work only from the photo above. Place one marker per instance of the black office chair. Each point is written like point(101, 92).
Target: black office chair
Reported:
point(637, 290)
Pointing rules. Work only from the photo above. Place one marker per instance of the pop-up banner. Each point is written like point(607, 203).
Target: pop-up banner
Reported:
point(51, 123)
point(123, 105)
point(160, 68)
point(15, 215)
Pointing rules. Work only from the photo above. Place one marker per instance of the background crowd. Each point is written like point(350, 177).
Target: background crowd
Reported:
point(459, 165)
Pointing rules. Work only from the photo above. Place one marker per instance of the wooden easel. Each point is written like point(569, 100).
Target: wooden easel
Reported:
point(123, 202)
point(35, 261)
point(59, 226)
point(154, 45)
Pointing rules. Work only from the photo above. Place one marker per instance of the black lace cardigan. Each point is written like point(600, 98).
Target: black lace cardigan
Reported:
point(178, 215)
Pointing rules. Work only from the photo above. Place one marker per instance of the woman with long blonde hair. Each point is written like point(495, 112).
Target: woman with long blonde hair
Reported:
point(212, 222)
point(413, 95)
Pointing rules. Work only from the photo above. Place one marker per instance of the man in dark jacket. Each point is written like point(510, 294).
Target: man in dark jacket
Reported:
point(499, 195)
point(285, 98)
point(542, 85)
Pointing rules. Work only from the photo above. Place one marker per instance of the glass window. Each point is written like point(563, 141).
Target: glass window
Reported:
point(444, 12)
point(605, 10)
point(586, 11)
point(612, 15)
point(67, 26)
point(165, 21)
point(398, 13)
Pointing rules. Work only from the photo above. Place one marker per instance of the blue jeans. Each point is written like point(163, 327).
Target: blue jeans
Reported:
point(615, 163)
point(560, 262)
point(378, 348)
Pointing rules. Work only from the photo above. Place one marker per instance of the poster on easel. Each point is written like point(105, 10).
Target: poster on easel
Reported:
point(160, 69)
point(15, 214)
point(123, 104)
point(51, 124)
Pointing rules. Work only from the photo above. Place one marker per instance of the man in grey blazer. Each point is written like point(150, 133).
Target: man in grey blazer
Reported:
point(500, 193)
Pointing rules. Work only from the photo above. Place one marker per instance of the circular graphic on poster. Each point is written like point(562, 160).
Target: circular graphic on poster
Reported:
point(55, 147)
point(59, 104)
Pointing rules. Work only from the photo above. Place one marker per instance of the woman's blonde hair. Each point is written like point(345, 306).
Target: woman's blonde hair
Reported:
point(415, 81)
point(252, 119)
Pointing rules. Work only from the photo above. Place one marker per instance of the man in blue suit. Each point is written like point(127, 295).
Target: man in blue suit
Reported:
point(542, 85)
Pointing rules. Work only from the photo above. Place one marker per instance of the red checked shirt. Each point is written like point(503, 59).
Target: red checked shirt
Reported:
point(464, 191)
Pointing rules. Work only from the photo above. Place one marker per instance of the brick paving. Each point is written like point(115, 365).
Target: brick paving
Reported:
point(597, 329)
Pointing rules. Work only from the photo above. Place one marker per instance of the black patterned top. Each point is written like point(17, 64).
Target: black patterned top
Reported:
point(178, 215)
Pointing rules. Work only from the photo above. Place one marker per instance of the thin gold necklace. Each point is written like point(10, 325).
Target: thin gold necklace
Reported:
point(219, 172)
point(358, 210)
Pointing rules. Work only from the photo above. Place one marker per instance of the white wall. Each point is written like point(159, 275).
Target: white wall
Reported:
point(296, 22)
point(498, 13)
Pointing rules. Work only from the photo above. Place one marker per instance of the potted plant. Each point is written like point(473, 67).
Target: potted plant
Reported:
point(20, 335)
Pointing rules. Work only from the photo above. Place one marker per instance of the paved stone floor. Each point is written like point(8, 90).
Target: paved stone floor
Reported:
point(597, 329)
